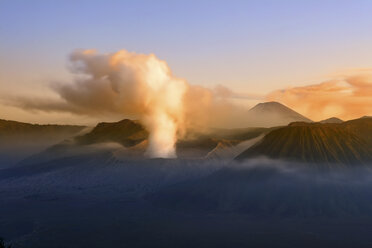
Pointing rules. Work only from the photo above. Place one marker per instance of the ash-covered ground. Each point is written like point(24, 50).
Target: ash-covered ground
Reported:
point(98, 198)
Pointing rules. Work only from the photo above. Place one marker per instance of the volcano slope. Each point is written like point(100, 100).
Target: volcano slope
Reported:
point(347, 143)
point(269, 114)
point(130, 134)
point(19, 140)
point(126, 132)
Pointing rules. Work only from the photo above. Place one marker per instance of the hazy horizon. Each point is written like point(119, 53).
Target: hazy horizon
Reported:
point(199, 123)
point(314, 57)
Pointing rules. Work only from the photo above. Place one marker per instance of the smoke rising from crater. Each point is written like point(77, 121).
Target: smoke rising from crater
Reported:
point(140, 86)
point(133, 84)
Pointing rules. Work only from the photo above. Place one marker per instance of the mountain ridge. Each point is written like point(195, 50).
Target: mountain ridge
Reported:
point(345, 143)
point(8, 127)
point(270, 114)
point(332, 120)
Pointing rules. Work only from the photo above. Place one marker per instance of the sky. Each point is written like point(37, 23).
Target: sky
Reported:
point(252, 47)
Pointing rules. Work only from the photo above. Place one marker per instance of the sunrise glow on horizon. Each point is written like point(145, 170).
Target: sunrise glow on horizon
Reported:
point(313, 56)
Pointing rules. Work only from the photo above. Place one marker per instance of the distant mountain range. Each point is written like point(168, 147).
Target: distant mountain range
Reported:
point(19, 140)
point(19, 129)
point(332, 120)
point(346, 143)
point(326, 142)
point(131, 134)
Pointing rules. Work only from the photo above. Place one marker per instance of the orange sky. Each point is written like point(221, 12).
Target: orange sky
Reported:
point(348, 97)
point(296, 52)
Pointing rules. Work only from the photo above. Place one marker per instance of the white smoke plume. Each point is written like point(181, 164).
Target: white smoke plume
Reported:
point(142, 87)
point(133, 84)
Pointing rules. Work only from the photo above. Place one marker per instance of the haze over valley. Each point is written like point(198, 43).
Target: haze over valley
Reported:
point(318, 174)
point(178, 124)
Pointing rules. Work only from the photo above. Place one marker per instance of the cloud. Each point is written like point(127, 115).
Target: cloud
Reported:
point(116, 84)
point(138, 86)
point(347, 97)
point(222, 91)
point(129, 84)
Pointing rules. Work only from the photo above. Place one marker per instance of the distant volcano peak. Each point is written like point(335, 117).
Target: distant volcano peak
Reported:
point(270, 104)
point(332, 120)
point(274, 114)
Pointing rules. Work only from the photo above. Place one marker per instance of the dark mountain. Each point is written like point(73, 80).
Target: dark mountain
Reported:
point(131, 133)
point(16, 129)
point(346, 143)
point(237, 133)
point(19, 140)
point(270, 114)
point(332, 120)
point(201, 146)
point(126, 132)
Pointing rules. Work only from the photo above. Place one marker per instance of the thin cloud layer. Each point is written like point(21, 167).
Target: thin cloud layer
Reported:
point(346, 98)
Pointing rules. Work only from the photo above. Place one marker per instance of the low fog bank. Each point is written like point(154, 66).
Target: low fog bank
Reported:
point(17, 145)
point(274, 188)
point(259, 186)
point(59, 201)
point(13, 151)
